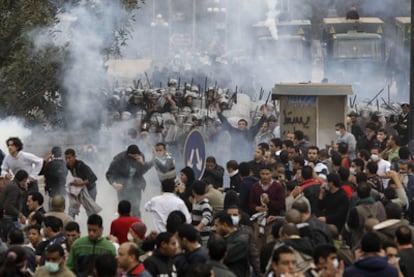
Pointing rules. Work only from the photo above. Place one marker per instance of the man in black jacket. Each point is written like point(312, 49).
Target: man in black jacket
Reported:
point(55, 172)
point(126, 175)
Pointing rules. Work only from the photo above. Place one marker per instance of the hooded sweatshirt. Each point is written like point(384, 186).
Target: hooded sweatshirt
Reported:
point(371, 267)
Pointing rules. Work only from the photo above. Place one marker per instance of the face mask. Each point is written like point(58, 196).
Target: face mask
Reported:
point(235, 220)
point(52, 267)
point(338, 133)
point(335, 263)
point(352, 171)
point(130, 237)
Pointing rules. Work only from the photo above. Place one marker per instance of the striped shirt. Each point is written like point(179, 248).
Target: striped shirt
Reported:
point(202, 213)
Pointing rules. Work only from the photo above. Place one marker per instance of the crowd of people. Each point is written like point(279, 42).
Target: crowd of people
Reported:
point(290, 209)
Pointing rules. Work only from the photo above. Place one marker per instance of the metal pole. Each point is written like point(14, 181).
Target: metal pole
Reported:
point(194, 23)
point(411, 113)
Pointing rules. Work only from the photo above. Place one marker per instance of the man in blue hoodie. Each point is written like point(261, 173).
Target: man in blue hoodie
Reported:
point(371, 263)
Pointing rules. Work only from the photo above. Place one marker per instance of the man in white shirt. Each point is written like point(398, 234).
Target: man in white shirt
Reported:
point(19, 160)
point(162, 205)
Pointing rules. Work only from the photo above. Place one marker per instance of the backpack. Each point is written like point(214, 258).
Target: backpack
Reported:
point(304, 262)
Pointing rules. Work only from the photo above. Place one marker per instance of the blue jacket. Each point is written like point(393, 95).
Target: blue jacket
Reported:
point(371, 267)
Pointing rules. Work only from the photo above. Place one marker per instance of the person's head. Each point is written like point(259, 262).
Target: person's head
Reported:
point(70, 157)
point(283, 261)
point(298, 162)
point(211, 162)
point(343, 173)
point(14, 261)
point(364, 155)
point(393, 141)
point(34, 235)
point(188, 235)
point(265, 174)
point(55, 258)
point(166, 244)
point(342, 148)
point(217, 249)
point(234, 212)
point(137, 231)
point(168, 185)
point(259, 154)
point(200, 270)
point(298, 136)
point(174, 220)
point(340, 129)
point(34, 200)
point(372, 168)
point(160, 149)
point(124, 208)
point(232, 166)
point(403, 235)
point(264, 146)
point(313, 153)
point(370, 243)
point(72, 232)
point(244, 170)
point(15, 237)
point(404, 153)
point(301, 206)
point(199, 188)
point(95, 227)
point(293, 216)
point(21, 178)
point(242, 124)
point(275, 144)
point(231, 199)
point(105, 265)
point(14, 145)
point(223, 223)
point(324, 254)
point(307, 172)
point(56, 152)
point(52, 226)
point(405, 107)
point(187, 175)
point(333, 180)
point(128, 255)
point(358, 165)
point(391, 252)
point(288, 230)
point(393, 211)
point(36, 218)
point(58, 203)
point(363, 190)
point(133, 151)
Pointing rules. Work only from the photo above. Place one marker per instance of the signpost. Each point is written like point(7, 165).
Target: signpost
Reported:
point(195, 153)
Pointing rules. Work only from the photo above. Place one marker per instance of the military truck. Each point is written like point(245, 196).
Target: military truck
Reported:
point(400, 54)
point(286, 54)
point(354, 52)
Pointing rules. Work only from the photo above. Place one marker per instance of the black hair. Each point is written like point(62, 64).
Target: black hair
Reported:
point(56, 151)
point(161, 144)
point(232, 164)
point(284, 249)
point(263, 146)
point(403, 235)
point(124, 207)
point(231, 199)
point(364, 154)
point(38, 217)
point(36, 197)
point(95, 219)
point(188, 171)
point(372, 167)
point(266, 167)
point(363, 190)
point(21, 175)
point(70, 152)
point(370, 242)
point(189, 232)
point(217, 248)
point(288, 143)
point(300, 160)
point(323, 251)
point(244, 169)
point(106, 265)
point(163, 237)
point(53, 223)
point(336, 158)
point(56, 248)
point(307, 172)
point(72, 226)
point(16, 142)
point(342, 148)
point(314, 147)
point(343, 173)
point(16, 236)
point(14, 259)
point(277, 142)
point(224, 218)
point(36, 227)
point(168, 185)
point(298, 134)
point(199, 187)
point(404, 153)
point(174, 220)
point(361, 177)
point(340, 125)
point(211, 159)
point(359, 162)
point(334, 178)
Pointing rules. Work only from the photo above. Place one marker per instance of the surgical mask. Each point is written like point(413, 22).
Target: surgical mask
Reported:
point(335, 263)
point(52, 267)
point(352, 171)
point(130, 237)
point(338, 133)
point(235, 220)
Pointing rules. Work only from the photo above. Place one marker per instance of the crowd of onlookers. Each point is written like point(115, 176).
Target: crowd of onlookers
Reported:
point(289, 209)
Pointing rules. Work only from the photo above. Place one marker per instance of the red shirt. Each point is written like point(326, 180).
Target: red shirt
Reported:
point(121, 225)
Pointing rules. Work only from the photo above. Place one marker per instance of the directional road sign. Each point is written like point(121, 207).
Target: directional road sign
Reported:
point(195, 153)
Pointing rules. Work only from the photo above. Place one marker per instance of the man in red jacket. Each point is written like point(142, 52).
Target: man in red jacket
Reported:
point(121, 225)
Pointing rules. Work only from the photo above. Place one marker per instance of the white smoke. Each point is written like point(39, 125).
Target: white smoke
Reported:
point(271, 17)
point(12, 127)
